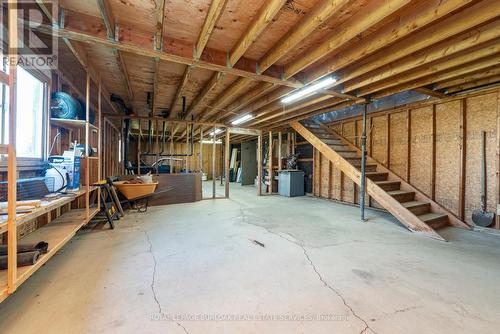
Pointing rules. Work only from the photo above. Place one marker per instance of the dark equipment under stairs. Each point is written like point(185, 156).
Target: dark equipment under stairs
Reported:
point(410, 206)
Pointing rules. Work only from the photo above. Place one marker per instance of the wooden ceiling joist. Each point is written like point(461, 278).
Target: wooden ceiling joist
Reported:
point(160, 19)
point(263, 19)
point(430, 92)
point(109, 22)
point(473, 84)
point(441, 52)
point(259, 24)
point(426, 70)
point(176, 52)
point(213, 14)
point(464, 79)
point(445, 75)
point(306, 26)
point(358, 24)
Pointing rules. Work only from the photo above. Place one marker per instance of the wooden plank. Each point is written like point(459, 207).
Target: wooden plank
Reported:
point(213, 15)
point(160, 20)
point(428, 14)
point(259, 165)
point(270, 173)
point(358, 24)
point(12, 271)
point(433, 154)
point(135, 47)
point(107, 17)
point(180, 89)
point(316, 17)
point(227, 159)
point(387, 201)
point(259, 24)
point(463, 150)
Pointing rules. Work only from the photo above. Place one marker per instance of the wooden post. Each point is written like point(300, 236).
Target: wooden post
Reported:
point(157, 147)
point(87, 138)
point(270, 163)
point(433, 153)
point(187, 147)
point(99, 144)
point(214, 139)
point(201, 152)
point(12, 165)
point(463, 147)
point(289, 143)
point(497, 222)
point(226, 157)
point(259, 165)
point(408, 145)
point(171, 147)
point(388, 153)
point(139, 138)
point(280, 143)
point(320, 156)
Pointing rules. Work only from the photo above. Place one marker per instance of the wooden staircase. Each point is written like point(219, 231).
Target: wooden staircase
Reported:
point(411, 207)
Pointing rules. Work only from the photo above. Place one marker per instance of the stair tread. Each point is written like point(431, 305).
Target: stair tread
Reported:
point(385, 182)
point(398, 192)
point(412, 204)
point(376, 173)
point(432, 215)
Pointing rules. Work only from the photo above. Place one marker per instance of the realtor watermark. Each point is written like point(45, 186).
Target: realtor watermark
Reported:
point(34, 50)
point(182, 317)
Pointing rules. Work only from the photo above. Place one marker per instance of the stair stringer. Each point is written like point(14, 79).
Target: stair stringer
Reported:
point(406, 217)
point(419, 195)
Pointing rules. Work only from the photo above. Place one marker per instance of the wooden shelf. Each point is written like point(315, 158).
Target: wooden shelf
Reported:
point(71, 123)
point(57, 233)
point(46, 207)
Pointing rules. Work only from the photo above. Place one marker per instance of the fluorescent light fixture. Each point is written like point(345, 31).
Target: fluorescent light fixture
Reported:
point(242, 119)
point(208, 141)
point(303, 92)
point(214, 133)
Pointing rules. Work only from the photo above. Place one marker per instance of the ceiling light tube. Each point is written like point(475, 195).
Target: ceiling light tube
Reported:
point(242, 119)
point(208, 141)
point(214, 133)
point(303, 92)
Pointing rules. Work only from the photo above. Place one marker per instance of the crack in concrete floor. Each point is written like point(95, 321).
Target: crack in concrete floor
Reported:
point(313, 266)
point(153, 282)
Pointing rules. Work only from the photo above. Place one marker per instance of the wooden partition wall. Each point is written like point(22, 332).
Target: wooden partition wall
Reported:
point(433, 145)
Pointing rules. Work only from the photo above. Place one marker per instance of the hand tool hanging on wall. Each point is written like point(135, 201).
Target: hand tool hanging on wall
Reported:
point(482, 217)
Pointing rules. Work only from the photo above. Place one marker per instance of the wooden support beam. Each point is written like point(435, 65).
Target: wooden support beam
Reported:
point(259, 24)
point(108, 18)
point(440, 76)
point(446, 52)
point(280, 144)
point(236, 88)
point(120, 61)
point(160, 19)
point(423, 17)
point(430, 92)
point(227, 160)
point(463, 159)
point(270, 173)
point(316, 17)
point(450, 63)
point(244, 100)
point(259, 165)
point(469, 78)
point(358, 24)
point(11, 159)
point(180, 89)
point(433, 154)
point(213, 15)
point(156, 79)
point(178, 52)
point(474, 83)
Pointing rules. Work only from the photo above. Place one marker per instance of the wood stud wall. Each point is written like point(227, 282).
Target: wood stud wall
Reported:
point(436, 146)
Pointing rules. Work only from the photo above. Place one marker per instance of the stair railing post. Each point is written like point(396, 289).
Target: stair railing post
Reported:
point(363, 167)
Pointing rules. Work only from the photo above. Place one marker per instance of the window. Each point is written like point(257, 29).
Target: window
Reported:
point(30, 115)
point(30, 106)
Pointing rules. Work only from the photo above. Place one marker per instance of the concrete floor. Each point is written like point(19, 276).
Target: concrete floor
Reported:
point(252, 259)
